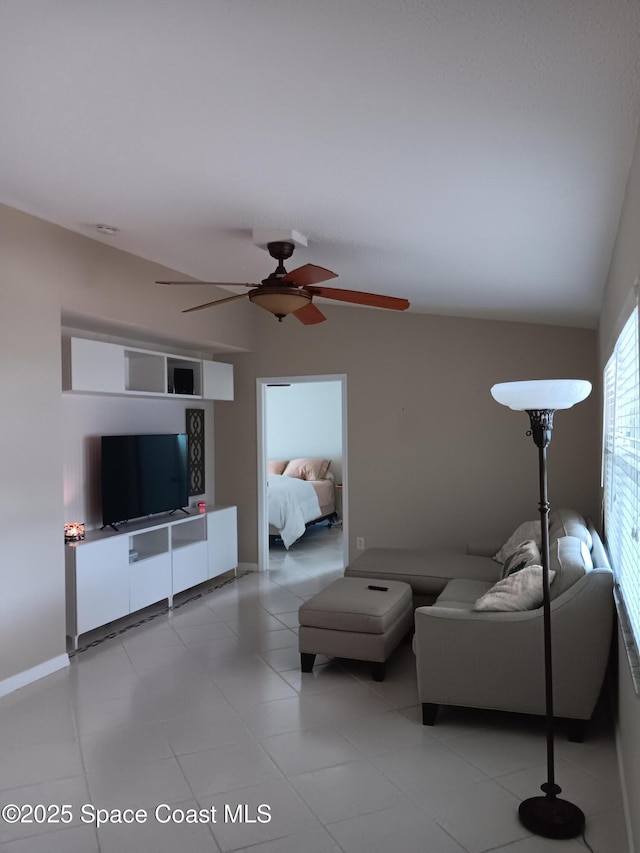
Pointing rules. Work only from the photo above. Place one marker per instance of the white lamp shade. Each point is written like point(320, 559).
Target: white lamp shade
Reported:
point(541, 393)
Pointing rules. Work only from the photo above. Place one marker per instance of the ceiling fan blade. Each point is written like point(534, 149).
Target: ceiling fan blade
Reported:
point(308, 274)
point(309, 315)
point(359, 297)
point(211, 283)
point(215, 302)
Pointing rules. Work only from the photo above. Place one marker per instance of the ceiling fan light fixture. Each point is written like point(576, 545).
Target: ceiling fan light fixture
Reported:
point(280, 301)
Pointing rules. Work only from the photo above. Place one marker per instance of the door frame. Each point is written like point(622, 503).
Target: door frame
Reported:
point(261, 409)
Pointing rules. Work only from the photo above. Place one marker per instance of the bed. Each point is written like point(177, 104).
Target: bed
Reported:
point(300, 492)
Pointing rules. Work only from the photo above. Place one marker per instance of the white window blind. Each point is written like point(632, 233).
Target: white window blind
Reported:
point(621, 467)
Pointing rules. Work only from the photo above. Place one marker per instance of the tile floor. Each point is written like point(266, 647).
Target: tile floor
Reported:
point(207, 707)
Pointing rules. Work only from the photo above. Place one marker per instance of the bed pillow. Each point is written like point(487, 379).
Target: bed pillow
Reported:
point(276, 466)
point(307, 468)
point(526, 554)
point(520, 591)
point(527, 530)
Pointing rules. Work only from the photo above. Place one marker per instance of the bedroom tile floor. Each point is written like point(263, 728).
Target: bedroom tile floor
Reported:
point(206, 706)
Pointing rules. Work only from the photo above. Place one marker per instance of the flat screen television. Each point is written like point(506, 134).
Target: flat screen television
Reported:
point(143, 475)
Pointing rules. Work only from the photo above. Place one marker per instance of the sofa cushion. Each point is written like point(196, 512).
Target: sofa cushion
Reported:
point(461, 594)
point(428, 572)
point(586, 557)
point(599, 556)
point(568, 522)
point(526, 554)
point(526, 530)
point(521, 590)
point(567, 560)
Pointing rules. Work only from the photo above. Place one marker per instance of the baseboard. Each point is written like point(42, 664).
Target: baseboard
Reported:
point(621, 774)
point(28, 676)
point(248, 567)
point(623, 788)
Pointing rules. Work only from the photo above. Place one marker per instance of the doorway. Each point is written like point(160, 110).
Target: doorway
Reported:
point(295, 419)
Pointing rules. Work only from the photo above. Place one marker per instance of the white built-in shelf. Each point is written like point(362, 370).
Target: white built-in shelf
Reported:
point(183, 535)
point(148, 544)
point(100, 367)
point(113, 573)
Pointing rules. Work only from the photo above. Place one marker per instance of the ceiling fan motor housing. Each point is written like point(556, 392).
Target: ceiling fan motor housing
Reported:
point(280, 250)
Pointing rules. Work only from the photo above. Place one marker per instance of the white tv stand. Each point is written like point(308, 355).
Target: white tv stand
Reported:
point(113, 573)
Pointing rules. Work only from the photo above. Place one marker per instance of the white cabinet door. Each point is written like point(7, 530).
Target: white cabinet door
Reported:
point(217, 380)
point(189, 566)
point(102, 582)
point(97, 366)
point(150, 581)
point(222, 539)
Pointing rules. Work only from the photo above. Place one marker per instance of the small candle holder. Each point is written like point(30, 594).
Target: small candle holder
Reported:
point(74, 531)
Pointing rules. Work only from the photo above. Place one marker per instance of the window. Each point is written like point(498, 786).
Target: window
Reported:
point(621, 468)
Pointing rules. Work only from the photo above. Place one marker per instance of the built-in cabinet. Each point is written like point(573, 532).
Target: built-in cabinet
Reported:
point(100, 367)
point(111, 574)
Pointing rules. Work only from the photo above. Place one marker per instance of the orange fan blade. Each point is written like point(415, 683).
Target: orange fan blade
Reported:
point(215, 302)
point(308, 274)
point(359, 297)
point(309, 315)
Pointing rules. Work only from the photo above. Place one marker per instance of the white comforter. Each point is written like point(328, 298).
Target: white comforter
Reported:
point(292, 502)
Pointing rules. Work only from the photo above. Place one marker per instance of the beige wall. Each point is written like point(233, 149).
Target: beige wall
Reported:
point(618, 302)
point(433, 460)
point(46, 271)
point(31, 544)
point(87, 416)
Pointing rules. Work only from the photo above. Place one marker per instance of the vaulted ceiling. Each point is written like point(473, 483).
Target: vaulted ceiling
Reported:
point(470, 156)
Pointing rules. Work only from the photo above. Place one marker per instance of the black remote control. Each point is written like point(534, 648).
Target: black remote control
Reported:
point(379, 588)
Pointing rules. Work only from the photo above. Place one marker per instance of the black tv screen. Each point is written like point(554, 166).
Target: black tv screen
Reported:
point(143, 475)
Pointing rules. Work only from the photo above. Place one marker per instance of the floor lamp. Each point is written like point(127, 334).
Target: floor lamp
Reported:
point(549, 816)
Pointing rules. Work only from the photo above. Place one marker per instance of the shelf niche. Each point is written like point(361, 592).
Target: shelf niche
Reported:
point(99, 367)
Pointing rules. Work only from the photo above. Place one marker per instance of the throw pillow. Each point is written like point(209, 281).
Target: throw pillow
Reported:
point(307, 468)
point(520, 591)
point(527, 530)
point(526, 554)
point(276, 466)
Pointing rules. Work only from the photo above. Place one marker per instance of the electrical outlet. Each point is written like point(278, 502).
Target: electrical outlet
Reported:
point(360, 543)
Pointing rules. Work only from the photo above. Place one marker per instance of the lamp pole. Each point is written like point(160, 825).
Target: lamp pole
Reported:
point(549, 816)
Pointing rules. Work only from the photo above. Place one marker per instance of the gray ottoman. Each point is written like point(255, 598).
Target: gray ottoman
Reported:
point(357, 618)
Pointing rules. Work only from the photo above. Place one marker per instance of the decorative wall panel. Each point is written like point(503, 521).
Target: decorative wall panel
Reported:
point(195, 446)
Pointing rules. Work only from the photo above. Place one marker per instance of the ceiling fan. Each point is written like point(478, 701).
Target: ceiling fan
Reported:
point(283, 293)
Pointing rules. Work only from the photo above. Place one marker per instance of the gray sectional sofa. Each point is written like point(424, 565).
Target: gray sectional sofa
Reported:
point(491, 659)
